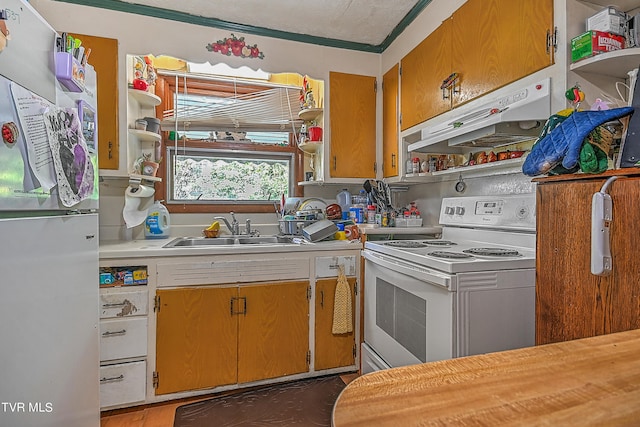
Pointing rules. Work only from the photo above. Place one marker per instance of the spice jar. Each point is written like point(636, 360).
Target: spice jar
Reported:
point(415, 165)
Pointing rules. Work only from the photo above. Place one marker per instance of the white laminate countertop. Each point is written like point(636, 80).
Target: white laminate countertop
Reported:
point(154, 248)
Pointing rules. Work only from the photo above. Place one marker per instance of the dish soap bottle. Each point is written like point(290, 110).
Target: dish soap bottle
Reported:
point(157, 224)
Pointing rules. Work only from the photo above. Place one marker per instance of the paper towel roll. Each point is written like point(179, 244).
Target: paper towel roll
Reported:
point(136, 204)
point(139, 191)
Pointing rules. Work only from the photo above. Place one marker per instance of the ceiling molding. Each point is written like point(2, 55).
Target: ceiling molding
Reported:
point(173, 15)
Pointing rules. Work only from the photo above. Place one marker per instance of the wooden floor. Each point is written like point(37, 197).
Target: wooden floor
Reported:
point(160, 414)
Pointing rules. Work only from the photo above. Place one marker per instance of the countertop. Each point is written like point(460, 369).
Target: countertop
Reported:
point(587, 382)
point(154, 248)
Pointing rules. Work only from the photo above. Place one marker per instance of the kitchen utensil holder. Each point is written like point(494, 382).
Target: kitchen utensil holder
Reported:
point(69, 72)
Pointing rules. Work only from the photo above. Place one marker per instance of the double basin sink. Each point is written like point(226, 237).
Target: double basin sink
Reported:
point(186, 242)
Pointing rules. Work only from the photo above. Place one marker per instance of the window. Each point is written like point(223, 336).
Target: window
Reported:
point(235, 148)
point(207, 175)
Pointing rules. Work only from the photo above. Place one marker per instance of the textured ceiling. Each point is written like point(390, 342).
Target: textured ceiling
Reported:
point(355, 23)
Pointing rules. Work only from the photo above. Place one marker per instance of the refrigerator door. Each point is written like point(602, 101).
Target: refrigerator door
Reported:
point(49, 318)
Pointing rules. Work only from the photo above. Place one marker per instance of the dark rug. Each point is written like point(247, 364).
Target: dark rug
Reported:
point(306, 402)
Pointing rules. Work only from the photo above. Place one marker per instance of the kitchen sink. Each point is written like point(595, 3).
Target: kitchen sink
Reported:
point(190, 242)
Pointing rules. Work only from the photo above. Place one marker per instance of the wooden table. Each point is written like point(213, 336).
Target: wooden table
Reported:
point(587, 382)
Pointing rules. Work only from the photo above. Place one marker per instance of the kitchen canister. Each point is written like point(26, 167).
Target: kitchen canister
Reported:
point(153, 124)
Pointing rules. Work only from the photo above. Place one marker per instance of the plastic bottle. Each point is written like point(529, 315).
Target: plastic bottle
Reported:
point(344, 200)
point(371, 214)
point(157, 225)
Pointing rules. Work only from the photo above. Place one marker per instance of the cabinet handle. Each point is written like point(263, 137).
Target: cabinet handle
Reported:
point(118, 304)
point(335, 163)
point(393, 160)
point(118, 378)
point(322, 299)
point(109, 333)
point(244, 308)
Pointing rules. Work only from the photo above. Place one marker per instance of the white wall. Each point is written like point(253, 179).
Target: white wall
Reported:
point(142, 35)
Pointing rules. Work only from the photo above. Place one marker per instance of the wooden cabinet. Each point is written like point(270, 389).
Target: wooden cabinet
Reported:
point(215, 335)
point(570, 301)
point(390, 86)
point(352, 104)
point(332, 351)
point(423, 70)
point(104, 59)
point(488, 43)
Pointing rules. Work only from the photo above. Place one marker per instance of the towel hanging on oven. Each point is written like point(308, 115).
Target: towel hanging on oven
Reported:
point(342, 305)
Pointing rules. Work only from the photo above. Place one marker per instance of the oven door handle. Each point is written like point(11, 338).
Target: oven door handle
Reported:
point(416, 271)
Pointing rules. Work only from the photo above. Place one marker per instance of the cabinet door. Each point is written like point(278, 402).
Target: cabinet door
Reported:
point(105, 61)
point(352, 150)
point(496, 42)
point(390, 122)
point(423, 70)
point(332, 351)
point(571, 302)
point(196, 339)
point(273, 330)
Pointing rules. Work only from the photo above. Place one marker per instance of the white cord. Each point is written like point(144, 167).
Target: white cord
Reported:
point(607, 184)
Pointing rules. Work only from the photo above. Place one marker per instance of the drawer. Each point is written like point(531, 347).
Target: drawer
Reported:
point(122, 383)
point(328, 266)
point(122, 302)
point(121, 338)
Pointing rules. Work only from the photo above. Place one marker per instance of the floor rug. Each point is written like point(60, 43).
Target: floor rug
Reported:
point(300, 403)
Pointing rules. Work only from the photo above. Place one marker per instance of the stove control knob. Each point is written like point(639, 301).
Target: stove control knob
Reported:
point(460, 210)
point(449, 210)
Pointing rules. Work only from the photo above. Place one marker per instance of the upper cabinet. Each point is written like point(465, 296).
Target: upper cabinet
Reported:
point(390, 134)
point(498, 42)
point(352, 147)
point(483, 46)
point(423, 70)
point(105, 62)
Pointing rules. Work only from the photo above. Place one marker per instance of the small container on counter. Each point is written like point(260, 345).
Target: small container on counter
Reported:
point(371, 214)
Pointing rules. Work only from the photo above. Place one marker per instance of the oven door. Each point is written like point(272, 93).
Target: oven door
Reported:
point(409, 311)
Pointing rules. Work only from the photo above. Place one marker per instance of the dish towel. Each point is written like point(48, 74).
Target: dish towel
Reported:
point(342, 311)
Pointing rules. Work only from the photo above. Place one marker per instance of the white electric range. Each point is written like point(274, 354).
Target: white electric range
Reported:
point(472, 291)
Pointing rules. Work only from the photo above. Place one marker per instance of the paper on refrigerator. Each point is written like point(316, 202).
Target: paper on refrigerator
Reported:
point(74, 170)
point(30, 108)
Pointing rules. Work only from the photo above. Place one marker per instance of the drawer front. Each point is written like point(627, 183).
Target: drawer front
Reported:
point(122, 383)
point(328, 266)
point(121, 338)
point(119, 302)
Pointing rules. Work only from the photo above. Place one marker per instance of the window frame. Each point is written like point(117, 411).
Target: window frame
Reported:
point(165, 91)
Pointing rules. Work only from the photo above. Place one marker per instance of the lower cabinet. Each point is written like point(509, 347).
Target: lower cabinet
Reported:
point(208, 336)
point(332, 351)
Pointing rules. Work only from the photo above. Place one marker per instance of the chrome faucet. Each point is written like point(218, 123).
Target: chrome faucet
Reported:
point(234, 228)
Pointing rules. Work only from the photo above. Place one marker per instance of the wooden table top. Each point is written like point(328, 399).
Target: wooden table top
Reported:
point(587, 382)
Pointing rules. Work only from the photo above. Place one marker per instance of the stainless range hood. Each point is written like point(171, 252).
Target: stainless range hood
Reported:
point(503, 121)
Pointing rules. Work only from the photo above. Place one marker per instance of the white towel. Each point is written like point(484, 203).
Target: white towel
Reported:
point(342, 305)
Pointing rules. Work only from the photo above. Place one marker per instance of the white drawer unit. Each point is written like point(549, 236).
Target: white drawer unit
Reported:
point(123, 338)
point(123, 302)
point(122, 383)
point(328, 266)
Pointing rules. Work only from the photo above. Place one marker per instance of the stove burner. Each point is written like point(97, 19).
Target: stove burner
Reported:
point(495, 252)
point(449, 255)
point(407, 244)
point(439, 242)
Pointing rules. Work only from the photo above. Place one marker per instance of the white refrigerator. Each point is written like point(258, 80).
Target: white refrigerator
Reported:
point(49, 299)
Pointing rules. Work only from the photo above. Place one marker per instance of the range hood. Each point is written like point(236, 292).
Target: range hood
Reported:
point(503, 121)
